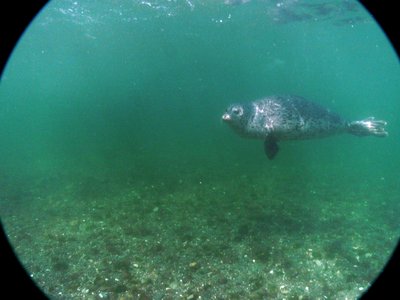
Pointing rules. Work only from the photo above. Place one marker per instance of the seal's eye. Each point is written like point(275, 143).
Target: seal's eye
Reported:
point(237, 111)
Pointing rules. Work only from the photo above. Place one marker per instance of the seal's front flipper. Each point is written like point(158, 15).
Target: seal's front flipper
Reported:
point(271, 147)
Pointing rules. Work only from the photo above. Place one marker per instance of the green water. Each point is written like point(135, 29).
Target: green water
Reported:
point(118, 179)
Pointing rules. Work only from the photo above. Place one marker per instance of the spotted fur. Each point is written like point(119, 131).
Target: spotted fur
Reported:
point(284, 118)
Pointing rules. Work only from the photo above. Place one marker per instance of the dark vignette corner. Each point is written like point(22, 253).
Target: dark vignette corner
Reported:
point(15, 17)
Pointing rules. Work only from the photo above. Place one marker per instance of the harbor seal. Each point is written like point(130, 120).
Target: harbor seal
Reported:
point(279, 118)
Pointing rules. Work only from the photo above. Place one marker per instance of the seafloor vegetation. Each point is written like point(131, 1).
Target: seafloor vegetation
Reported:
point(194, 237)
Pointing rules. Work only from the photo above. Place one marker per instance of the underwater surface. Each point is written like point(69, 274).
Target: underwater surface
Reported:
point(118, 179)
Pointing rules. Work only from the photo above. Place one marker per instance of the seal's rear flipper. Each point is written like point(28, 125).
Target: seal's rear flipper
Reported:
point(271, 147)
point(369, 126)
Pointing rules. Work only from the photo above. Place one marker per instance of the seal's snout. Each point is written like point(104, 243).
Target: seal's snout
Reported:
point(226, 117)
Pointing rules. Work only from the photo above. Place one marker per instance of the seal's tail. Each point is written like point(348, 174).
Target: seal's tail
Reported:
point(369, 126)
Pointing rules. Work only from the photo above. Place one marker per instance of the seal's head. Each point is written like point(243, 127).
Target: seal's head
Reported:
point(236, 117)
point(233, 114)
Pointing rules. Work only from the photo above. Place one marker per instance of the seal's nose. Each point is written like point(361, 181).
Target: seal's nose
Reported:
point(226, 117)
